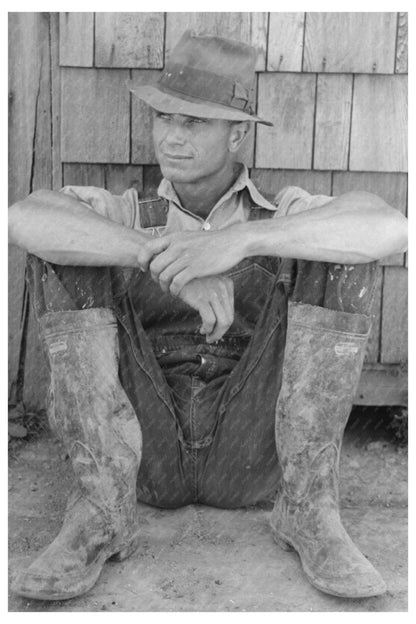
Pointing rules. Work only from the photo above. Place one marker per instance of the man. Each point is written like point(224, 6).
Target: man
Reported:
point(205, 346)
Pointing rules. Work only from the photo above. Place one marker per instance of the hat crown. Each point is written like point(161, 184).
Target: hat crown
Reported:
point(232, 59)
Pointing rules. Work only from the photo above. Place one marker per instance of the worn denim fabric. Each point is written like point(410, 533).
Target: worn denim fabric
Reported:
point(206, 411)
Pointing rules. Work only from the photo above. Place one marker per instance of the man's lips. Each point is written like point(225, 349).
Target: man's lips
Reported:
point(176, 156)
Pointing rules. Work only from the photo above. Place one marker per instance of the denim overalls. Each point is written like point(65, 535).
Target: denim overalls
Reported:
point(206, 411)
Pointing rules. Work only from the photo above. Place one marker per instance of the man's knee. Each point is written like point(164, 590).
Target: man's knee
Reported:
point(56, 288)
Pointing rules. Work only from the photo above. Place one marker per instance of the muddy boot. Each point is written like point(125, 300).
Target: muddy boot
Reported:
point(101, 434)
point(324, 354)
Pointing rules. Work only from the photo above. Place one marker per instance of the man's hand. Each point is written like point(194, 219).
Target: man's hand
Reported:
point(176, 259)
point(213, 297)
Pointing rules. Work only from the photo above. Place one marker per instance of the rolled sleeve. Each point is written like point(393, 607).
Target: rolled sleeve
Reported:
point(293, 200)
point(119, 208)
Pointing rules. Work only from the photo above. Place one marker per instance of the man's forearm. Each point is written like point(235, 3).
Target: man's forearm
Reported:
point(353, 228)
point(61, 230)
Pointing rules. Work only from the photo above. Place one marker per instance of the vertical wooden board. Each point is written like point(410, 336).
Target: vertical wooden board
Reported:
point(379, 124)
point(350, 42)
point(29, 151)
point(142, 151)
point(402, 44)
point(372, 354)
point(36, 373)
point(285, 43)
point(79, 174)
point(273, 181)
point(76, 39)
point(394, 316)
point(129, 39)
point(56, 103)
point(392, 187)
point(288, 101)
point(119, 178)
point(95, 115)
point(332, 125)
point(247, 27)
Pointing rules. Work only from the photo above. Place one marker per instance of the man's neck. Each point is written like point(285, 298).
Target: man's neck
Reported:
point(200, 197)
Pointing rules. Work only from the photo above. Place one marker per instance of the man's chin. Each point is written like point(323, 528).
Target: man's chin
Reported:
point(176, 173)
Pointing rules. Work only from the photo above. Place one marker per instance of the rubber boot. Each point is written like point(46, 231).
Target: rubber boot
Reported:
point(101, 434)
point(323, 360)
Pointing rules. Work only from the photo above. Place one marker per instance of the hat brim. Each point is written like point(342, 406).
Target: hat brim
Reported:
point(185, 105)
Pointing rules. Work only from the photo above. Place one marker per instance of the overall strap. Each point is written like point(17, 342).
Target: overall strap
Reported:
point(153, 212)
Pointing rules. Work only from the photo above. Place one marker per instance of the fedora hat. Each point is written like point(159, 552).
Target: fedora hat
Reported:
point(207, 77)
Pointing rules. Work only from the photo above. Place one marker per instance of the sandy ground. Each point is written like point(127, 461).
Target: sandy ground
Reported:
point(204, 559)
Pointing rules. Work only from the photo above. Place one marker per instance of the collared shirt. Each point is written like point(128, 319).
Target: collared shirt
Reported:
point(233, 207)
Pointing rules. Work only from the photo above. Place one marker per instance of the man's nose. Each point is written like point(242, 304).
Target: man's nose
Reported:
point(175, 134)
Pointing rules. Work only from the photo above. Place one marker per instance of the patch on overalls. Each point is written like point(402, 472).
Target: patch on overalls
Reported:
point(58, 347)
point(346, 348)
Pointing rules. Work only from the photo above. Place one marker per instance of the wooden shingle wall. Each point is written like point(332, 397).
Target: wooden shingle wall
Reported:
point(334, 85)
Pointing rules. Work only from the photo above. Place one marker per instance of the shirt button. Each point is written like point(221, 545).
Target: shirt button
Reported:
point(206, 226)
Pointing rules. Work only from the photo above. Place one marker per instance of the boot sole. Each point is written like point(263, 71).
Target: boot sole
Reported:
point(84, 584)
point(286, 545)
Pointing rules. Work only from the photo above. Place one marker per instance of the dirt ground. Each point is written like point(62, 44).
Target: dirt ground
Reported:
point(204, 559)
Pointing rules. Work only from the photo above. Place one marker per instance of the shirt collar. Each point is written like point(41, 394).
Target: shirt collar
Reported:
point(243, 181)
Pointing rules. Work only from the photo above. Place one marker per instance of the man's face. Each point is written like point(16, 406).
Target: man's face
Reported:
point(190, 149)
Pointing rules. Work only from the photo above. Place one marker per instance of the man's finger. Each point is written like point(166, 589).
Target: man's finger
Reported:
point(149, 249)
point(208, 319)
point(168, 274)
point(160, 263)
point(180, 280)
point(223, 321)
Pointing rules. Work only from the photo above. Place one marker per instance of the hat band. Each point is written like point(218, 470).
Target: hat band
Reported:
point(207, 86)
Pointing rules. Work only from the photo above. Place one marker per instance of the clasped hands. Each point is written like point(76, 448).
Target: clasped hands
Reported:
point(189, 265)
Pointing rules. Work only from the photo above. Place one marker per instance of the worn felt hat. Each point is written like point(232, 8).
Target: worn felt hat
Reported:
point(207, 77)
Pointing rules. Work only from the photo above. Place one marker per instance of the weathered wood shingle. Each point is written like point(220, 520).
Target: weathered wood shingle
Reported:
point(129, 39)
point(95, 115)
point(379, 124)
point(287, 100)
point(350, 42)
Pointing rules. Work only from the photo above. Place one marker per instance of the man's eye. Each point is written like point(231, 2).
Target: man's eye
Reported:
point(164, 116)
point(196, 120)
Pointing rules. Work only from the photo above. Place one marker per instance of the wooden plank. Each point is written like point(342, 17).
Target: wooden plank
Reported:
point(101, 134)
point(373, 345)
point(129, 39)
point(332, 125)
point(285, 43)
point(29, 154)
point(402, 44)
point(247, 27)
point(288, 101)
point(56, 102)
point(394, 316)
point(379, 124)
point(392, 187)
point(76, 39)
point(272, 181)
point(350, 42)
point(119, 178)
point(80, 174)
point(36, 371)
point(142, 151)
point(382, 386)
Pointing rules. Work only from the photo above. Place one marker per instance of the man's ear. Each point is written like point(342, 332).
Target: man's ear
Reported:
point(239, 131)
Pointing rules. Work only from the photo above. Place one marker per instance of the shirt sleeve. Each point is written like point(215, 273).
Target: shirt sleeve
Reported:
point(119, 208)
point(293, 200)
